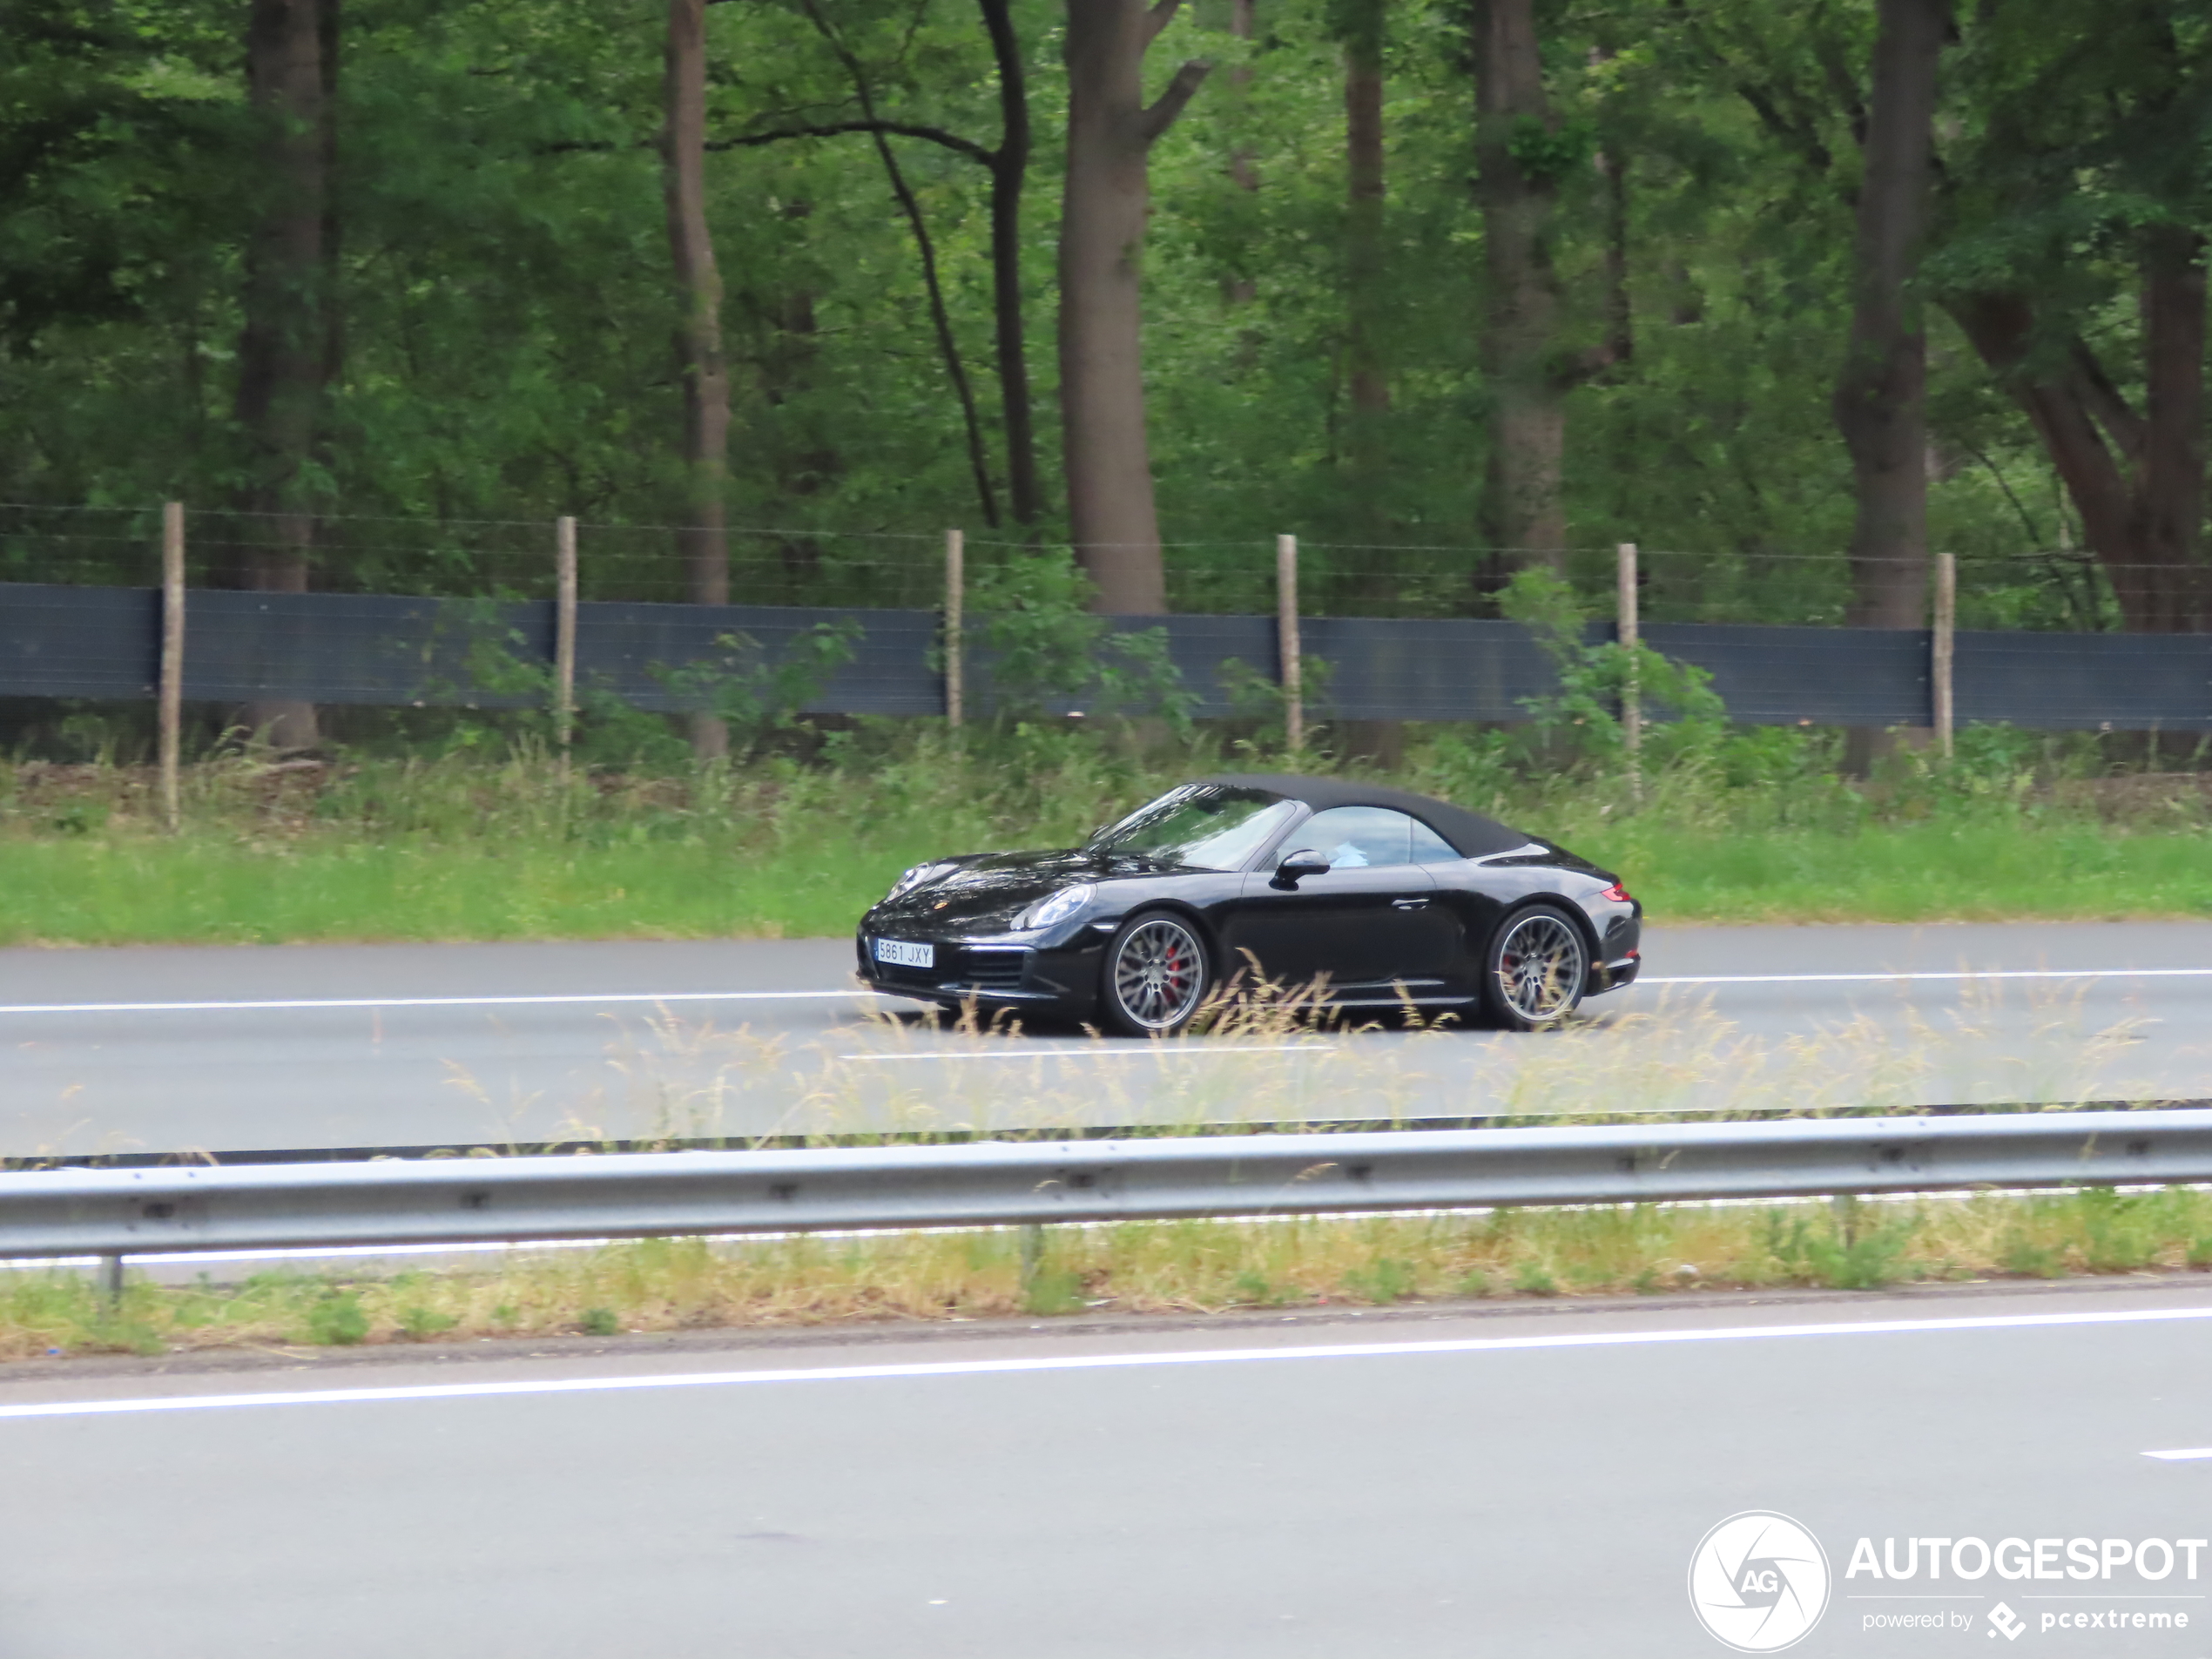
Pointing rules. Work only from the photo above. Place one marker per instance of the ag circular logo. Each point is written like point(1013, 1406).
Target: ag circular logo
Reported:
point(1758, 1581)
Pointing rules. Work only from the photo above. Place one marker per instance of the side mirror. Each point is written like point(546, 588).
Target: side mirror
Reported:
point(1296, 866)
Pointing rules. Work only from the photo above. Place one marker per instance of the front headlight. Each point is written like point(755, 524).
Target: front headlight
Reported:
point(1053, 908)
point(913, 879)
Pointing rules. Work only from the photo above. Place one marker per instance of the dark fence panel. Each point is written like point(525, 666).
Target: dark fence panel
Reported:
point(2062, 682)
point(1873, 677)
point(383, 648)
point(1384, 668)
point(628, 648)
point(361, 648)
point(78, 642)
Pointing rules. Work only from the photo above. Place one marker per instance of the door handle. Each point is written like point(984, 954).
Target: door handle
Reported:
point(1409, 904)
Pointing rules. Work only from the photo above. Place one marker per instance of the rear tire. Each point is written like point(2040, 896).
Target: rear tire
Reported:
point(1156, 975)
point(1535, 970)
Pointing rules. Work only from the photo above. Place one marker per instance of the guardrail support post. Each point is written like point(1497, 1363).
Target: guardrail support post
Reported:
point(1630, 634)
point(1032, 1255)
point(111, 1280)
point(955, 586)
point(1943, 646)
point(1846, 1210)
point(1286, 643)
point(563, 633)
point(171, 713)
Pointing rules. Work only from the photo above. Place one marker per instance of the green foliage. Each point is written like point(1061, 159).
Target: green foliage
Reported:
point(1866, 1256)
point(1592, 679)
point(420, 1324)
point(1053, 1290)
point(1048, 650)
point(1547, 154)
point(756, 697)
point(599, 1322)
point(2119, 1232)
point(337, 1321)
point(1385, 1280)
point(1534, 1278)
point(2026, 1258)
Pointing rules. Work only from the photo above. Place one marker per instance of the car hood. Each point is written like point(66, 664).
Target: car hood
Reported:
point(984, 891)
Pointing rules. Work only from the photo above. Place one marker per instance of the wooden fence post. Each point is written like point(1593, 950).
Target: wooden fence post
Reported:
point(171, 707)
point(565, 633)
point(1943, 645)
point(1630, 634)
point(955, 595)
point(1286, 643)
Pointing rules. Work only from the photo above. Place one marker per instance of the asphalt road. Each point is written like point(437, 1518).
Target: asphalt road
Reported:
point(255, 1049)
point(1518, 1483)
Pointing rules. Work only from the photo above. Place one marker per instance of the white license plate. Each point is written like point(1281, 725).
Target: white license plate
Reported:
point(900, 954)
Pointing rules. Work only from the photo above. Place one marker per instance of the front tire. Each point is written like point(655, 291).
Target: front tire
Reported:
point(1536, 969)
point(1156, 975)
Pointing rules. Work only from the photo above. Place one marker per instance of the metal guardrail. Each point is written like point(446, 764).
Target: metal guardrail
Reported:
point(119, 1212)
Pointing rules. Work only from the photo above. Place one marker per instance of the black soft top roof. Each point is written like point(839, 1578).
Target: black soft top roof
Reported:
point(1471, 835)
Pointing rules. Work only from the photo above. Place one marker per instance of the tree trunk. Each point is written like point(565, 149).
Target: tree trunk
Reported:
point(1366, 305)
point(1112, 518)
point(2137, 481)
point(1524, 520)
point(2164, 593)
point(1881, 396)
point(1360, 26)
point(702, 372)
point(1243, 172)
point(285, 341)
point(805, 463)
point(1009, 172)
point(1880, 401)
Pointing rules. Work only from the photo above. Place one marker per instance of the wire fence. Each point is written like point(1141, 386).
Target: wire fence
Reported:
point(2063, 590)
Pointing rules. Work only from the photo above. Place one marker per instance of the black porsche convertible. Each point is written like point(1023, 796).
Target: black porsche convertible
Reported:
point(1379, 897)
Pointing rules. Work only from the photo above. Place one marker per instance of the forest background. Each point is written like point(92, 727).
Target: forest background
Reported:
point(768, 292)
point(1787, 294)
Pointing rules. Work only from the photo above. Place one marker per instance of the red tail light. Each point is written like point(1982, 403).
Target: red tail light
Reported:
point(1617, 893)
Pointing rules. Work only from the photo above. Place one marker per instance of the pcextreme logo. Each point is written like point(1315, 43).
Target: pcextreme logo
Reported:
point(1758, 1581)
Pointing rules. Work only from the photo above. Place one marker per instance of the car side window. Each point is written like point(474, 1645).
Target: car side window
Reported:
point(1429, 847)
point(1353, 838)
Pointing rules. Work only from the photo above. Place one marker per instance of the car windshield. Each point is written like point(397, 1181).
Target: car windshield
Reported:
point(1200, 827)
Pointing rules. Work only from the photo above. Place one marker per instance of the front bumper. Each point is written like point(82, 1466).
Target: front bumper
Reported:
point(992, 976)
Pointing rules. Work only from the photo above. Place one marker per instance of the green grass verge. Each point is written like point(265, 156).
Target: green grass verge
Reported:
point(1970, 872)
point(1138, 1267)
point(203, 891)
point(464, 847)
point(199, 889)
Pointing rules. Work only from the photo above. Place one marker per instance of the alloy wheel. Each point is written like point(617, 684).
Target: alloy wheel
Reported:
point(1541, 965)
point(1159, 974)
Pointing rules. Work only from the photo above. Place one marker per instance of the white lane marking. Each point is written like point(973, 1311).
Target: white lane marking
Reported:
point(568, 999)
point(584, 998)
point(2186, 1454)
point(1184, 1050)
point(1091, 1362)
point(1953, 975)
